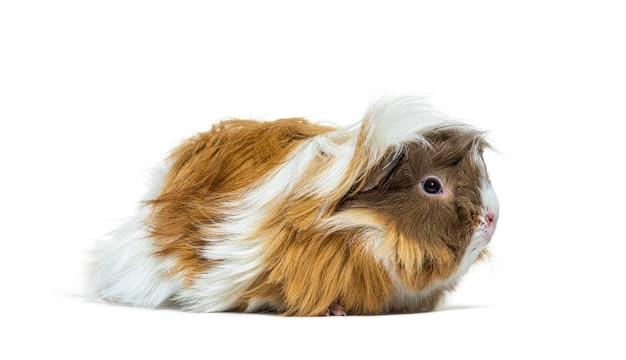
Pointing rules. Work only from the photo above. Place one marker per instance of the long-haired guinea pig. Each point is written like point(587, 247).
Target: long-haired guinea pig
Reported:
point(305, 219)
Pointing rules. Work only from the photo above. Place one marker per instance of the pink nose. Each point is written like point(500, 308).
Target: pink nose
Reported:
point(490, 218)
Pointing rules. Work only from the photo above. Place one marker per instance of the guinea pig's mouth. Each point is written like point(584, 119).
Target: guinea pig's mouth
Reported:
point(489, 231)
point(484, 234)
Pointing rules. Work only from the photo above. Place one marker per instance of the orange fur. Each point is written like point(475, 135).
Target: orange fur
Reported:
point(213, 168)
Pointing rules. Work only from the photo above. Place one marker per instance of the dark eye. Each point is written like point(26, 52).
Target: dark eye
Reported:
point(432, 185)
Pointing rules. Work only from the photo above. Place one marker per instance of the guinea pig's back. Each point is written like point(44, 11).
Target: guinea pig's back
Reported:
point(192, 240)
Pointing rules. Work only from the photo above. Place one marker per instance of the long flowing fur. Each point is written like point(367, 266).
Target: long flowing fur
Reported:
point(251, 215)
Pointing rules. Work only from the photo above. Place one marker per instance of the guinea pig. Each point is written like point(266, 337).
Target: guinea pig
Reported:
point(302, 219)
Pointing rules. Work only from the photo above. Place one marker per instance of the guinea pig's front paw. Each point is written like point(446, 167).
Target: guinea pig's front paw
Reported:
point(335, 310)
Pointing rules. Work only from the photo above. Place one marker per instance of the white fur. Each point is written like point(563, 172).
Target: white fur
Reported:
point(234, 244)
point(489, 198)
point(388, 123)
point(328, 181)
point(124, 268)
point(391, 121)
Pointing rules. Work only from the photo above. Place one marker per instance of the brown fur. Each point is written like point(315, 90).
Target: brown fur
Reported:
point(212, 168)
point(308, 271)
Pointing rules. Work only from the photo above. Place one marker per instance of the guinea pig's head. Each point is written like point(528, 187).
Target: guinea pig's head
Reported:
point(435, 192)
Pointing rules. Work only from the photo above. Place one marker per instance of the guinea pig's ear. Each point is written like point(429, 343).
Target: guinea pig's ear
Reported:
point(380, 173)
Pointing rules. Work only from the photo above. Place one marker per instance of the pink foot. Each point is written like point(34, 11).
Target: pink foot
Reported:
point(335, 310)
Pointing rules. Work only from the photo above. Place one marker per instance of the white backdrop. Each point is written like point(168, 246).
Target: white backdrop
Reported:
point(93, 93)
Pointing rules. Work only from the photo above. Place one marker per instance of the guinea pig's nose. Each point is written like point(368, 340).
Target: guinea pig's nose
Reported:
point(490, 218)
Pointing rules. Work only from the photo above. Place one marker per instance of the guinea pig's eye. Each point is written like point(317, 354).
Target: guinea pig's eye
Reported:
point(432, 185)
